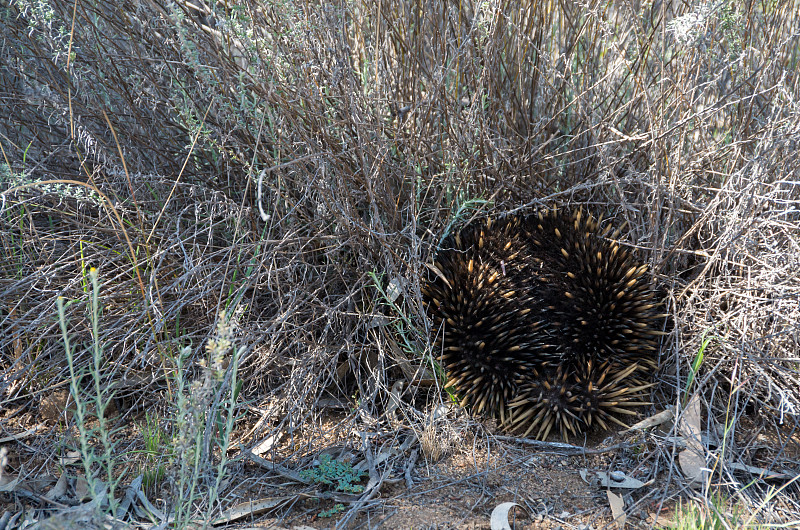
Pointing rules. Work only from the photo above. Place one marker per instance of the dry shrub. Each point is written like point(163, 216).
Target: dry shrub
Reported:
point(371, 124)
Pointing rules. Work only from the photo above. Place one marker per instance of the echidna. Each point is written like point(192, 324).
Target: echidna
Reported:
point(545, 322)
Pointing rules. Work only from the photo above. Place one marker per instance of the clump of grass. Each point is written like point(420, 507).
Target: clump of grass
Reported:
point(713, 515)
point(336, 509)
point(157, 448)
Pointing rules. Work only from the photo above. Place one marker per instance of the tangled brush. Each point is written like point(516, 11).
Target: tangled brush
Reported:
point(546, 322)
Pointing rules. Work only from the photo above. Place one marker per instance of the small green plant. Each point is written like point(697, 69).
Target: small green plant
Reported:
point(204, 418)
point(714, 514)
point(330, 470)
point(337, 508)
point(696, 364)
point(731, 22)
point(97, 447)
point(156, 445)
point(692, 517)
point(463, 211)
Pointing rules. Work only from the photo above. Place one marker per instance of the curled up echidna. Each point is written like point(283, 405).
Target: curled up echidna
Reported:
point(544, 322)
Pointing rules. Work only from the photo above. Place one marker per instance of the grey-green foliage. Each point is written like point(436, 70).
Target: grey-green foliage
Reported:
point(96, 436)
point(337, 508)
point(731, 24)
point(43, 20)
point(5, 173)
point(204, 418)
point(330, 471)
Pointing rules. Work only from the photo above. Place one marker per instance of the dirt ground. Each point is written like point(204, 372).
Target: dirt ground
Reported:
point(451, 476)
point(461, 486)
point(461, 490)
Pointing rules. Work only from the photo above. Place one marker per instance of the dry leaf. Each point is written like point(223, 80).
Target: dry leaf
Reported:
point(692, 459)
point(395, 398)
point(59, 490)
point(499, 519)
point(617, 508)
point(253, 508)
point(395, 288)
point(657, 419)
point(8, 482)
point(81, 489)
point(71, 457)
point(618, 479)
point(22, 435)
point(760, 471)
point(267, 444)
point(615, 479)
point(130, 496)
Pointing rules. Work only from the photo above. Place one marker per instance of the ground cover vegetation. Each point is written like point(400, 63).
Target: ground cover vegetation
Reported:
point(215, 217)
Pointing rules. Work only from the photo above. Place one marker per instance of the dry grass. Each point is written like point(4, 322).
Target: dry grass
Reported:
point(371, 124)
